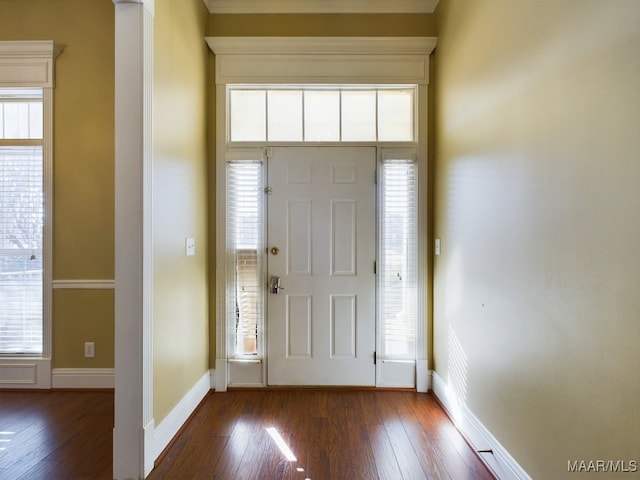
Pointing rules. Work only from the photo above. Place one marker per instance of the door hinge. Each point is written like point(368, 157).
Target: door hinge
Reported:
point(375, 267)
point(375, 358)
point(268, 190)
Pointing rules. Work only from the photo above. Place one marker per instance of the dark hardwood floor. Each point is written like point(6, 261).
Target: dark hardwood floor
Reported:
point(334, 434)
point(56, 435)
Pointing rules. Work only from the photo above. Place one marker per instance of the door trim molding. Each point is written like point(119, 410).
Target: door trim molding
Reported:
point(314, 60)
point(307, 60)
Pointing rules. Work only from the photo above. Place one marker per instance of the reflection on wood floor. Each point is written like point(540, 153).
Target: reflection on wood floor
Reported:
point(333, 434)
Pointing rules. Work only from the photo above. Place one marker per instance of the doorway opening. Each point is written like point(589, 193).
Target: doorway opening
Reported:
point(321, 235)
point(284, 72)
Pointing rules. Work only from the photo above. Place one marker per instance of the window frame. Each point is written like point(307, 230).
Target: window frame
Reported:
point(31, 64)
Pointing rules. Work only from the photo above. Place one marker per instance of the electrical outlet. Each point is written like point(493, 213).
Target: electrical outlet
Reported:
point(89, 349)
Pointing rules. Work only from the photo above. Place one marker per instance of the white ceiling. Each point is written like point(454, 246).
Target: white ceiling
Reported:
point(321, 6)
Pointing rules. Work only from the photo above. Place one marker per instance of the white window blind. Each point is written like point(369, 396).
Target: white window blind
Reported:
point(398, 259)
point(245, 233)
point(21, 223)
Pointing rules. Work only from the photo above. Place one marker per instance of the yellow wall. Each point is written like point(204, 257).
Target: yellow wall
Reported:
point(180, 314)
point(339, 25)
point(83, 245)
point(537, 197)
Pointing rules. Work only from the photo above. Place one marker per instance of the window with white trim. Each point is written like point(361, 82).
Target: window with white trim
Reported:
point(21, 221)
point(398, 275)
point(245, 233)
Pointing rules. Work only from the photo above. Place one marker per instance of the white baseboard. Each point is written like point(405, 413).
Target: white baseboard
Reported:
point(82, 378)
point(168, 428)
point(423, 376)
point(212, 379)
point(480, 438)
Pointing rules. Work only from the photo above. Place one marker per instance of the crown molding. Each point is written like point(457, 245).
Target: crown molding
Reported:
point(322, 45)
point(30, 49)
point(320, 6)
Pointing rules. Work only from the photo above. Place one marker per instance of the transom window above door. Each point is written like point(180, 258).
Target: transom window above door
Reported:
point(322, 114)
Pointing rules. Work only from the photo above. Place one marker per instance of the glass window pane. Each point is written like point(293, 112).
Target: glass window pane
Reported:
point(16, 120)
point(248, 115)
point(21, 237)
point(245, 226)
point(321, 116)
point(358, 115)
point(285, 115)
point(398, 259)
point(395, 115)
point(35, 120)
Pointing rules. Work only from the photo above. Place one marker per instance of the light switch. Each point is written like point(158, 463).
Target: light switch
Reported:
point(189, 246)
point(437, 246)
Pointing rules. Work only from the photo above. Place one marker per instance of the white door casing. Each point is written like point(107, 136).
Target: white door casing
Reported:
point(314, 60)
point(321, 220)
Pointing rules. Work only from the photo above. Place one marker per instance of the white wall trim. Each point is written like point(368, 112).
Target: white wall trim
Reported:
point(83, 284)
point(25, 372)
point(212, 379)
point(169, 427)
point(28, 63)
point(321, 6)
point(480, 438)
point(338, 60)
point(134, 424)
point(82, 378)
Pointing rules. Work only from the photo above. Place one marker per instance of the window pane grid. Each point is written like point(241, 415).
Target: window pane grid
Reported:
point(322, 114)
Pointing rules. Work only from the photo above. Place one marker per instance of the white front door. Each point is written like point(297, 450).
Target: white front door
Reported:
point(321, 243)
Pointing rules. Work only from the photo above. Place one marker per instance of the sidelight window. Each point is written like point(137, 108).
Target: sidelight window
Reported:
point(398, 276)
point(244, 256)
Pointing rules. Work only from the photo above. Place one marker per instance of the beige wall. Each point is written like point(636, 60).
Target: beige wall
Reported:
point(83, 238)
point(180, 314)
point(537, 310)
point(346, 25)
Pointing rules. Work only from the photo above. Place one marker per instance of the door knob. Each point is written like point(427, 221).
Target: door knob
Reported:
point(274, 285)
point(275, 250)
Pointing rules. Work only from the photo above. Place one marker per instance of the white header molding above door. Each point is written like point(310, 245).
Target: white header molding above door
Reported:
point(337, 60)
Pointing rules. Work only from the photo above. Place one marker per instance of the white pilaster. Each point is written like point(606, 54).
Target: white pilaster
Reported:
point(133, 433)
